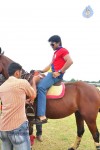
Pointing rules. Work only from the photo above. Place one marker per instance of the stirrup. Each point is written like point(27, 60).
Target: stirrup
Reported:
point(30, 114)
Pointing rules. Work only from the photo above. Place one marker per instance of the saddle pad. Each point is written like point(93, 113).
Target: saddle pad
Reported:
point(55, 92)
point(98, 88)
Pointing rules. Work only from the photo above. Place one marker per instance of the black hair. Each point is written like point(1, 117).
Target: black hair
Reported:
point(55, 38)
point(13, 67)
point(32, 71)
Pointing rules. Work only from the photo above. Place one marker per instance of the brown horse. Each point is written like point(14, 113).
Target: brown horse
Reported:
point(80, 98)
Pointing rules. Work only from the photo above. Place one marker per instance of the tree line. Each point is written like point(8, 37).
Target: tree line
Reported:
point(96, 83)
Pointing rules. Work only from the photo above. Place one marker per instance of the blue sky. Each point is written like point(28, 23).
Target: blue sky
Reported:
point(26, 25)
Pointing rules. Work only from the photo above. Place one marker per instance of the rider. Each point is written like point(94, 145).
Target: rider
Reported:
point(61, 61)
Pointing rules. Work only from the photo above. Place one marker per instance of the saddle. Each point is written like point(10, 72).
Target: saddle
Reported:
point(56, 91)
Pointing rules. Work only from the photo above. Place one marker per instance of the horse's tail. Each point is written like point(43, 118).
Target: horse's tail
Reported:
point(99, 109)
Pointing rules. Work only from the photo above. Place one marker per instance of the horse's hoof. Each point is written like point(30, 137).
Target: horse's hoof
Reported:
point(71, 149)
point(97, 147)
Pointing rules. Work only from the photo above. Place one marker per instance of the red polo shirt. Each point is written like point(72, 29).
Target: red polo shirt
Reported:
point(58, 59)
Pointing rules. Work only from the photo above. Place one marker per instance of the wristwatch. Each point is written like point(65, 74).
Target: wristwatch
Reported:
point(60, 71)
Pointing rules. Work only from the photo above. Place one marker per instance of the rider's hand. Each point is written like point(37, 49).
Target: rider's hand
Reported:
point(56, 74)
point(36, 72)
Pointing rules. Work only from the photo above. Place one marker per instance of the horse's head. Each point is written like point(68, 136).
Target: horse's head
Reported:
point(4, 64)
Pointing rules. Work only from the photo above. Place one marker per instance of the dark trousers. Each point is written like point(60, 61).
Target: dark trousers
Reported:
point(38, 130)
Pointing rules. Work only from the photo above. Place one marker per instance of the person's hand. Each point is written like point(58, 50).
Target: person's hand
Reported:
point(56, 74)
point(29, 101)
point(36, 72)
point(40, 71)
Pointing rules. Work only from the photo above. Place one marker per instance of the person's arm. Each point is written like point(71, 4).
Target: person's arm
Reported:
point(68, 63)
point(30, 91)
point(46, 68)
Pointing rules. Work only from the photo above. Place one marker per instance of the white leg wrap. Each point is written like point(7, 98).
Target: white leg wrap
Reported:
point(97, 146)
point(77, 143)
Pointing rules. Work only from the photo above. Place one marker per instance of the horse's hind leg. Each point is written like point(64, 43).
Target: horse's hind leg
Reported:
point(91, 123)
point(80, 131)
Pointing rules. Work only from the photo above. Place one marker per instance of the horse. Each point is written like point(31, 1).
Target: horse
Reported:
point(79, 98)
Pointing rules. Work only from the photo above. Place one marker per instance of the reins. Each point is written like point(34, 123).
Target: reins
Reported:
point(27, 76)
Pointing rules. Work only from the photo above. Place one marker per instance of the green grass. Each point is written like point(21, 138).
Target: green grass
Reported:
point(60, 134)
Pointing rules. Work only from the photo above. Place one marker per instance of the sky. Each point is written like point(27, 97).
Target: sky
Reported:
point(26, 25)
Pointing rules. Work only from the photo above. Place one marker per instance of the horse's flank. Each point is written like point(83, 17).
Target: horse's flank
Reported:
point(73, 100)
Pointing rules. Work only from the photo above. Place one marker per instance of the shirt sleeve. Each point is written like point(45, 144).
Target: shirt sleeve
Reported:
point(64, 52)
point(30, 92)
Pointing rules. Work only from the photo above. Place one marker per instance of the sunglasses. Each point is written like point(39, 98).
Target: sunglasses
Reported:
point(52, 44)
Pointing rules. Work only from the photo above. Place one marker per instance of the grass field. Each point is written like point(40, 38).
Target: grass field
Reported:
point(60, 134)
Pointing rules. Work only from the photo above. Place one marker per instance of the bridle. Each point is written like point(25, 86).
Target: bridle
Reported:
point(27, 76)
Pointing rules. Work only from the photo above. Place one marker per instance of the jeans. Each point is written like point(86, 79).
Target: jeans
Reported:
point(17, 139)
point(42, 87)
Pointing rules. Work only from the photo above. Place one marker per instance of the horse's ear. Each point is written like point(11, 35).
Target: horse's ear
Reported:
point(1, 53)
point(0, 50)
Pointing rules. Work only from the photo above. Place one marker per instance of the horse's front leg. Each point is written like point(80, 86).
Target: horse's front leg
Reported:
point(80, 131)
